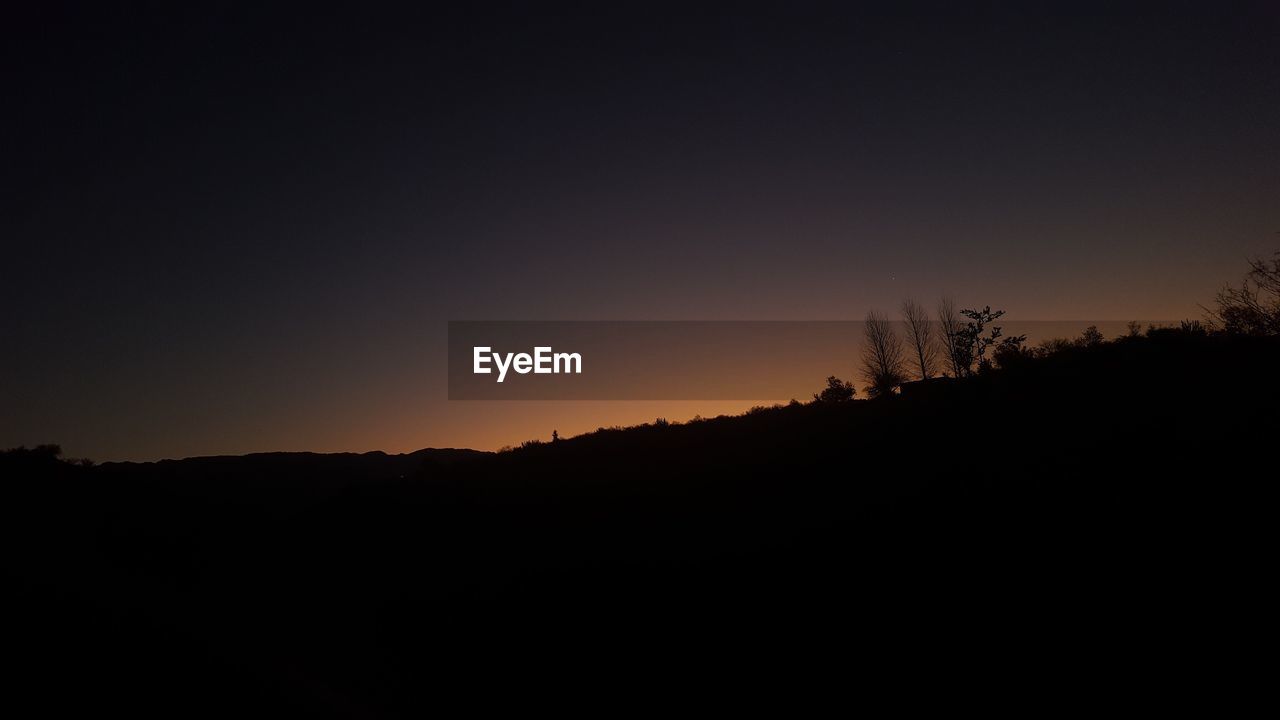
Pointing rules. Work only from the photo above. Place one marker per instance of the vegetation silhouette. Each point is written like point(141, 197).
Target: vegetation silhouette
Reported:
point(837, 390)
point(1049, 505)
point(1253, 308)
point(883, 356)
point(920, 333)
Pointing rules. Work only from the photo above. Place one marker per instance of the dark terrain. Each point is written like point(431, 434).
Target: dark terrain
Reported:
point(1077, 524)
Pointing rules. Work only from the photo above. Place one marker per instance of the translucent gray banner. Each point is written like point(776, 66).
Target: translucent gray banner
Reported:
point(673, 360)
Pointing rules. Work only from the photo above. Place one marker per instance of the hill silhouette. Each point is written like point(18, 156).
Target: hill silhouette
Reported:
point(1094, 511)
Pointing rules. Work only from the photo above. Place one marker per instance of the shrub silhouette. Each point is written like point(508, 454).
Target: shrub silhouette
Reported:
point(837, 390)
point(23, 458)
point(1010, 352)
point(1053, 346)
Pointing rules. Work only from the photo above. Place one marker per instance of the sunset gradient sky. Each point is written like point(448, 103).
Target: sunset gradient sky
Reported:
point(244, 229)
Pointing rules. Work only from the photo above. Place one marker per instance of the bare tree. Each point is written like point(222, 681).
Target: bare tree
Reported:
point(1254, 307)
point(882, 356)
point(949, 328)
point(920, 334)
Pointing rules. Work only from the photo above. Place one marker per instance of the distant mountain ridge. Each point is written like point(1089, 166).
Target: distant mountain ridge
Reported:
point(283, 472)
point(286, 457)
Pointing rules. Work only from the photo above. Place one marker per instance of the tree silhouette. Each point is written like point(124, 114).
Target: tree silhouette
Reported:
point(973, 340)
point(1091, 337)
point(920, 334)
point(837, 390)
point(882, 356)
point(949, 327)
point(1254, 307)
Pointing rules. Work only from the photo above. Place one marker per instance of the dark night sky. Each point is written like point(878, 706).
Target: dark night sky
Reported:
point(231, 229)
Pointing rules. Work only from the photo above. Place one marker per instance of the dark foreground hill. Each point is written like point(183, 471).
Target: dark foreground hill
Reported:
point(1075, 526)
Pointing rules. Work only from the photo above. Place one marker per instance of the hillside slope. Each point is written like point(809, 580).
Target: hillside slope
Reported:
point(1104, 501)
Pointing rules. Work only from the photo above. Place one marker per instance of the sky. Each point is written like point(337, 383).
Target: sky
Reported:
point(234, 228)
